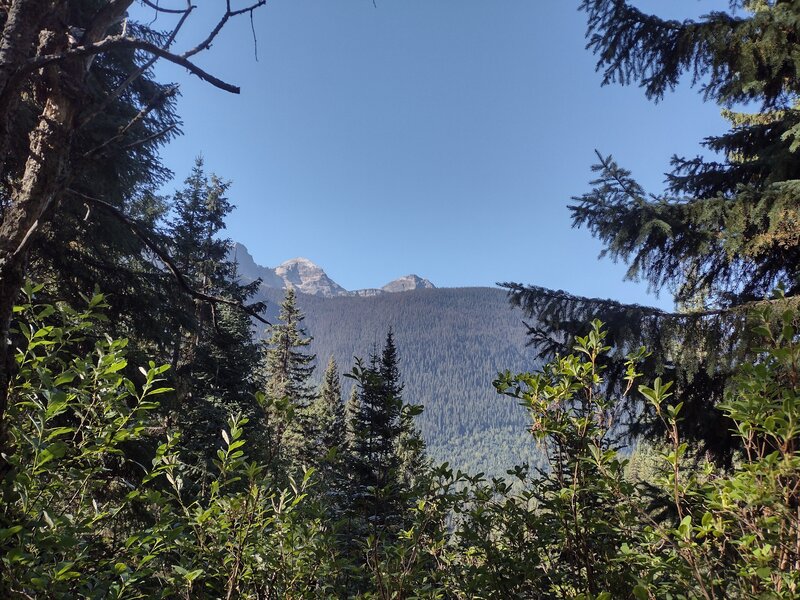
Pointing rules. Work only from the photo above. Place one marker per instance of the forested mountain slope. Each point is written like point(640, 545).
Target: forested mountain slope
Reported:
point(452, 343)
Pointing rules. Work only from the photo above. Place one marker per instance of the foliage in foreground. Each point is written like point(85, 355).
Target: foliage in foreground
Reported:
point(100, 505)
point(96, 508)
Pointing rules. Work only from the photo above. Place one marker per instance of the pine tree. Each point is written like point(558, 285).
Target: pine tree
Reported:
point(387, 453)
point(288, 370)
point(725, 232)
point(329, 411)
point(214, 356)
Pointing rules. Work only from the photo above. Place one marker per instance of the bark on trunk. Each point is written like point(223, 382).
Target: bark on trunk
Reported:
point(37, 27)
point(23, 24)
point(42, 179)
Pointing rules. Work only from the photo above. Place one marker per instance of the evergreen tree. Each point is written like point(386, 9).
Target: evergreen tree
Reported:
point(351, 411)
point(80, 131)
point(725, 232)
point(330, 411)
point(387, 453)
point(327, 447)
point(288, 367)
point(200, 211)
point(409, 445)
point(214, 356)
point(414, 463)
point(390, 369)
point(289, 393)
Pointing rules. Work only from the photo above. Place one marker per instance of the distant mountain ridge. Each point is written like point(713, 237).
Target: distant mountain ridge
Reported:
point(452, 343)
point(309, 278)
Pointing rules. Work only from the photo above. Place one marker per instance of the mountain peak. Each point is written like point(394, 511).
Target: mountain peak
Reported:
point(300, 260)
point(309, 278)
point(408, 282)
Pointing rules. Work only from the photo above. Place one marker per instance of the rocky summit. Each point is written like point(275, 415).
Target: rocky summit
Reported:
point(408, 282)
point(307, 277)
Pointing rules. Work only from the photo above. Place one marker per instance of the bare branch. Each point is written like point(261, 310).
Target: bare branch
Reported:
point(206, 43)
point(165, 258)
point(119, 41)
point(141, 70)
point(171, 11)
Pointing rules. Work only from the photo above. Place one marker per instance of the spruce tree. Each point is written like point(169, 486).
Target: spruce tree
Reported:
point(351, 411)
point(329, 411)
point(80, 130)
point(288, 366)
point(413, 460)
point(409, 447)
point(387, 454)
point(288, 388)
point(214, 356)
point(326, 449)
point(390, 369)
point(726, 231)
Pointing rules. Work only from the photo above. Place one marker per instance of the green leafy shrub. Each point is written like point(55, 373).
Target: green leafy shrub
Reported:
point(72, 414)
point(92, 510)
point(737, 534)
point(98, 502)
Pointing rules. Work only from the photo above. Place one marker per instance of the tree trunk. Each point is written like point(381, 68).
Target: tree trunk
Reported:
point(37, 27)
point(23, 23)
point(42, 178)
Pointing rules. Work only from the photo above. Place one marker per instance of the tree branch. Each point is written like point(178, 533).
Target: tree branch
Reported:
point(154, 103)
point(157, 8)
point(165, 258)
point(206, 43)
point(141, 70)
point(120, 41)
point(518, 291)
point(149, 138)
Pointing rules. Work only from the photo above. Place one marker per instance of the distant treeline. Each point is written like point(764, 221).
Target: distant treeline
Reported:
point(452, 343)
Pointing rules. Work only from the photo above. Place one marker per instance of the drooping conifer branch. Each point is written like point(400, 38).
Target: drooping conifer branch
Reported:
point(165, 258)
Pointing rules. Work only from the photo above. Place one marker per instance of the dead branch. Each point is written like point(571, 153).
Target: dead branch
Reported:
point(123, 41)
point(158, 8)
point(206, 43)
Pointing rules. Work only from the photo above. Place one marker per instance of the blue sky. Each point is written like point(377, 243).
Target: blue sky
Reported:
point(443, 138)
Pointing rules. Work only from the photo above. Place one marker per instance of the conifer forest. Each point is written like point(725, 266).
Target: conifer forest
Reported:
point(168, 429)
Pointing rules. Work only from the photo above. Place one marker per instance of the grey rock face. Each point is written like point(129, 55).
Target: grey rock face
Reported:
point(408, 282)
point(249, 270)
point(308, 278)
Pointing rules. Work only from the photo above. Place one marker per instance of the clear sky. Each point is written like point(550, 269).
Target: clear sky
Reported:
point(443, 138)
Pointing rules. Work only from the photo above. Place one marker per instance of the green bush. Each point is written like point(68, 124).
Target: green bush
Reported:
point(99, 504)
point(92, 510)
